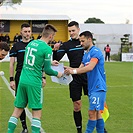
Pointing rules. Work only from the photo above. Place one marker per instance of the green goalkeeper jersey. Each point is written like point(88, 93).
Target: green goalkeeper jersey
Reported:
point(37, 59)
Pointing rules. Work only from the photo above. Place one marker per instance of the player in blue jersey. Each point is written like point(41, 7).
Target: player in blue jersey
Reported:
point(74, 52)
point(93, 65)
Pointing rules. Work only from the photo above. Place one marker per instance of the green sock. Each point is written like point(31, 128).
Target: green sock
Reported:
point(35, 125)
point(12, 123)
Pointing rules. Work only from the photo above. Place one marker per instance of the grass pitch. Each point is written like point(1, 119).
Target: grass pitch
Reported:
point(57, 114)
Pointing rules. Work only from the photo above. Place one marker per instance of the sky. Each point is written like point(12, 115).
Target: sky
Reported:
point(110, 12)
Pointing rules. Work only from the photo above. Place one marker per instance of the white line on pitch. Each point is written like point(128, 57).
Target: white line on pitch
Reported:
point(28, 113)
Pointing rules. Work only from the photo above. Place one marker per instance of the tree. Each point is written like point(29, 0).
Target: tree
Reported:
point(10, 2)
point(16, 1)
point(94, 20)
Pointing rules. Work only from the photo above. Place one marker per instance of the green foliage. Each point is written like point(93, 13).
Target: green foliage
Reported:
point(16, 1)
point(57, 113)
point(94, 20)
point(125, 43)
point(125, 49)
point(116, 57)
point(10, 2)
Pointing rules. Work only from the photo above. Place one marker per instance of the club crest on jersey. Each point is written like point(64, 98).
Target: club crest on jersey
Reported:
point(88, 57)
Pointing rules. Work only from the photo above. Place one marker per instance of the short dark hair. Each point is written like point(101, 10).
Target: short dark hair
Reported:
point(25, 25)
point(48, 29)
point(72, 23)
point(87, 34)
point(5, 46)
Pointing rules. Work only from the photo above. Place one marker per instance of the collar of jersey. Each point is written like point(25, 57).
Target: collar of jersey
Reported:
point(91, 47)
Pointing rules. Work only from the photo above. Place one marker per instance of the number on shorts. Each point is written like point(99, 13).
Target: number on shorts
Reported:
point(95, 100)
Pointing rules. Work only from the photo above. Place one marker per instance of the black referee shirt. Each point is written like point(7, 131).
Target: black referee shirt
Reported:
point(18, 51)
point(74, 52)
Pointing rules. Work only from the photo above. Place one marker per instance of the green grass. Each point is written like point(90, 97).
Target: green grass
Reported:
point(57, 114)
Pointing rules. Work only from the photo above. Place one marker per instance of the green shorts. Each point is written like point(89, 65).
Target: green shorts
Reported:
point(31, 95)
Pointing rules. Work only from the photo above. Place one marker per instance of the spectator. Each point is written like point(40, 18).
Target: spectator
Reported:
point(39, 36)
point(53, 42)
point(32, 37)
point(60, 41)
point(20, 38)
point(107, 50)
point(7, 38)
point(2, 38)
point(16, 38)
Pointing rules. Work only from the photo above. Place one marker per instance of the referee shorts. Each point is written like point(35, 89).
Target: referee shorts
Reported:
point(78, 84)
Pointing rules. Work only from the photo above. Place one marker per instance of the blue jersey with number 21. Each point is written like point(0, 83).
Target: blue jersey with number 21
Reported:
point(96, 78)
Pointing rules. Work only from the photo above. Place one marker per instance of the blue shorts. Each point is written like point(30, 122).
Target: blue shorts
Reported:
point(96, 100)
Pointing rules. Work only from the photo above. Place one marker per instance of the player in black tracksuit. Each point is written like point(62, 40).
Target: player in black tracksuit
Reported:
point(75, 52)
point(17, 52)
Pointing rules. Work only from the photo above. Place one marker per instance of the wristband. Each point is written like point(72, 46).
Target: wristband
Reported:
point(74, 71)
point(11, 79)
point(44, 77)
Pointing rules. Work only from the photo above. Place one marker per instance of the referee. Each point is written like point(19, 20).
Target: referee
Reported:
point(17, 51)
point(75, 52)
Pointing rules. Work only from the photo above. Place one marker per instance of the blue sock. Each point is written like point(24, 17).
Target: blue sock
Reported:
point(90, 126)
point(12, 123)
point(100, 126)
point(35, 125)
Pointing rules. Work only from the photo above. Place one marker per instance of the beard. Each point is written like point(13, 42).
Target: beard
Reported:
point(85, 48)
point(26, 37)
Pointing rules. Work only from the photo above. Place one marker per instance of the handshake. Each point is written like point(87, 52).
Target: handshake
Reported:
point(67, 71)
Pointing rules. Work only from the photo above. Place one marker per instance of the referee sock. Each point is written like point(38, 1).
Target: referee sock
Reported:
point(23, 119)
point(35, 125)
point(100, 126)
point(12, 123)
point(78, 120)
